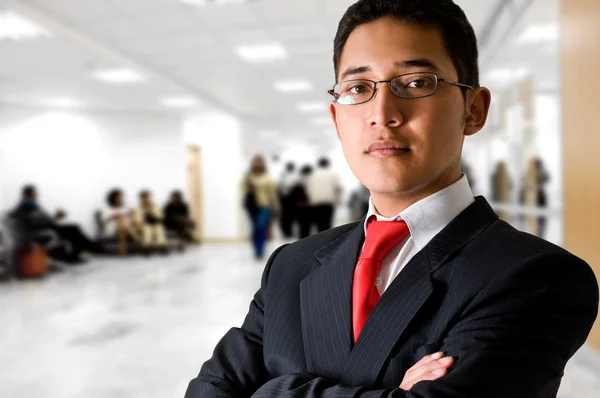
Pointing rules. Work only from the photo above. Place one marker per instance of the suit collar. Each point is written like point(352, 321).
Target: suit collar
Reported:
point(325, 301)
point(326, 297)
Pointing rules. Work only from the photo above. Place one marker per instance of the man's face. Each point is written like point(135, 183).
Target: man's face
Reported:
point(430, 130)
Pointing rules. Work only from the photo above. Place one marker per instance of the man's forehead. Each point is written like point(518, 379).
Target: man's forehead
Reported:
point(391, 43)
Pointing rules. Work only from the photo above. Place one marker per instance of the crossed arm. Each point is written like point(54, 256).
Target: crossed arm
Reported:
point(513, 340)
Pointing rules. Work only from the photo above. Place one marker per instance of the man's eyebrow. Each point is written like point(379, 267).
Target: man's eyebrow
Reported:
point(412, 63)
point(417, 63)
point(354, 70)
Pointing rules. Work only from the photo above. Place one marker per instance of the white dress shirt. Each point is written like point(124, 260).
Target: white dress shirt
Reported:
point(425, 219)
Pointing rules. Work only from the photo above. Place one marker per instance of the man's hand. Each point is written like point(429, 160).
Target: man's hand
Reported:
point(431, 367)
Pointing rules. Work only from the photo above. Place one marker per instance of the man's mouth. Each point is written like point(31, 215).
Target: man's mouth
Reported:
point(387, 148)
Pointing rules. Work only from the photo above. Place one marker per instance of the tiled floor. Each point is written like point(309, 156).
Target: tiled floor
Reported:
point(142, 327)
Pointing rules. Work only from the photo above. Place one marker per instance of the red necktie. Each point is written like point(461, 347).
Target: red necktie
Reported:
point(382, 237)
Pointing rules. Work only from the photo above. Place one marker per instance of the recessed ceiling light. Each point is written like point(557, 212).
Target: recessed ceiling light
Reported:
point(15, 27)
point(61, 102)
point(179, 102)
point(312, 106)
point(118, 76)
point(261, 52)
point(293, 86)
point(321, 121)
point(539, 33)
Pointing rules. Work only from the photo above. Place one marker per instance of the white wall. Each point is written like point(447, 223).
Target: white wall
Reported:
point(219, 137)
point(75, 158)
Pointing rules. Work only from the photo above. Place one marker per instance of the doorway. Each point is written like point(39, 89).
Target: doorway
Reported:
point(194, 187)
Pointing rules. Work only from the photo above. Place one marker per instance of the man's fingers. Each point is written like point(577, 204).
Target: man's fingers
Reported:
point(429, 368)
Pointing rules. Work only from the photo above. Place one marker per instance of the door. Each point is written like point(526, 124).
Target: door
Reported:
point(194, 187)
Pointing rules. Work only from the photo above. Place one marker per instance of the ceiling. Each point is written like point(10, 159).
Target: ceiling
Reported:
point(189, 50)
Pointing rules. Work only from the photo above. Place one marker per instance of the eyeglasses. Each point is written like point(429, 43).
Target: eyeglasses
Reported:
point(407, 86)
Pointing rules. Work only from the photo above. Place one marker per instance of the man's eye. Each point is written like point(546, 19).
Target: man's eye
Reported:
point(358, 89)
point(419, 83)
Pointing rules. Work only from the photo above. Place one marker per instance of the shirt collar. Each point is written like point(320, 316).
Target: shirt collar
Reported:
point(429, 216)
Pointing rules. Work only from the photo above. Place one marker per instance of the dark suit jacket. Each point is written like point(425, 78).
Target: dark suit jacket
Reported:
point(509, 307)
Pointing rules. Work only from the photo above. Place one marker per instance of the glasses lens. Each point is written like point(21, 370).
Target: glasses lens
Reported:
point(354, 92)
point(414, 85)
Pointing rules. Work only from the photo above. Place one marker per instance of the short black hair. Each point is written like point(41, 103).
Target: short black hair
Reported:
point(144, 193)
point(324, 162)
point(28, 191)
point(457, 32)
point(113, 194)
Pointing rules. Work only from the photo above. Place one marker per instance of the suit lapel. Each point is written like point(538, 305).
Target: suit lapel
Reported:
point(326, 297)
point(408, 293)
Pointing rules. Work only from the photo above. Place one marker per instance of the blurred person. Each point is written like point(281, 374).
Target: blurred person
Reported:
point(301, 202)
point(359, 203)
point(533, 193)
point(34, 218)
point(430, 295)
point(117, 218)
point(177, 217)
point(287, 181)
point(262, 202)
point(324, 192)
point(148, 220)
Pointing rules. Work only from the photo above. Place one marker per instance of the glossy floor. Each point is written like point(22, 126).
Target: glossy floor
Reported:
point(141, 328)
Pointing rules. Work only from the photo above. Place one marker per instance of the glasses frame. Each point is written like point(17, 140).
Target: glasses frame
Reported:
point(376, 83)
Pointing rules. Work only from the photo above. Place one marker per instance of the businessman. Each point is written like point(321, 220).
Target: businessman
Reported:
point(430, 281)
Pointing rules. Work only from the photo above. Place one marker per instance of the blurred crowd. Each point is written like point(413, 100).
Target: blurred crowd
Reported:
point(41, 241)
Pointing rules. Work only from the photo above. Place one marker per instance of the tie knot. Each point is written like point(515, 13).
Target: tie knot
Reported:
point(382, 237)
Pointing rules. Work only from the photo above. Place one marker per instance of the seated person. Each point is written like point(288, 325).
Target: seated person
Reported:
point(177, 217)
point(34, 219)
point(148, 220)
point(117, 219)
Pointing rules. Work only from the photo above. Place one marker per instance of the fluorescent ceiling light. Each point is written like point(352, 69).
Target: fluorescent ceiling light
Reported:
point(61, 102)
point(118, 76)
point(539, 33)
point(179, 102)
point(293, 86)
point(262, 52)
point(321, 121)
point(205, 2)
point(312, 106)
point(15, 27)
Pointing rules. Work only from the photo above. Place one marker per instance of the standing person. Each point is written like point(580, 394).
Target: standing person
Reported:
point(177, 217)
point(262, 192)
point(324, 192)
point(148, 219)
point(430, 295)
point(287, 181)
point(299, 197)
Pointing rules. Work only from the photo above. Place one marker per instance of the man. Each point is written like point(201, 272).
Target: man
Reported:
point(287, 181)
point(177, 217)
point(33, 219)
point(323, 188)
point(341, 314)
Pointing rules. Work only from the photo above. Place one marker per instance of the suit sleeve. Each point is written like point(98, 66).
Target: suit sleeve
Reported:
point(513, 340)
point(237, 368)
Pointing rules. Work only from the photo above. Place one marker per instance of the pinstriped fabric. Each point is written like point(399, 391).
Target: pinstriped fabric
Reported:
point(506, 305)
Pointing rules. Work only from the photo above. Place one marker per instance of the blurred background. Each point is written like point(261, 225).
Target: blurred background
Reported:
point(129, 127)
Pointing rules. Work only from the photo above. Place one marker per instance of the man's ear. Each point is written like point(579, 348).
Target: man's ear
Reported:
point(477, 112)
point(333, 114)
